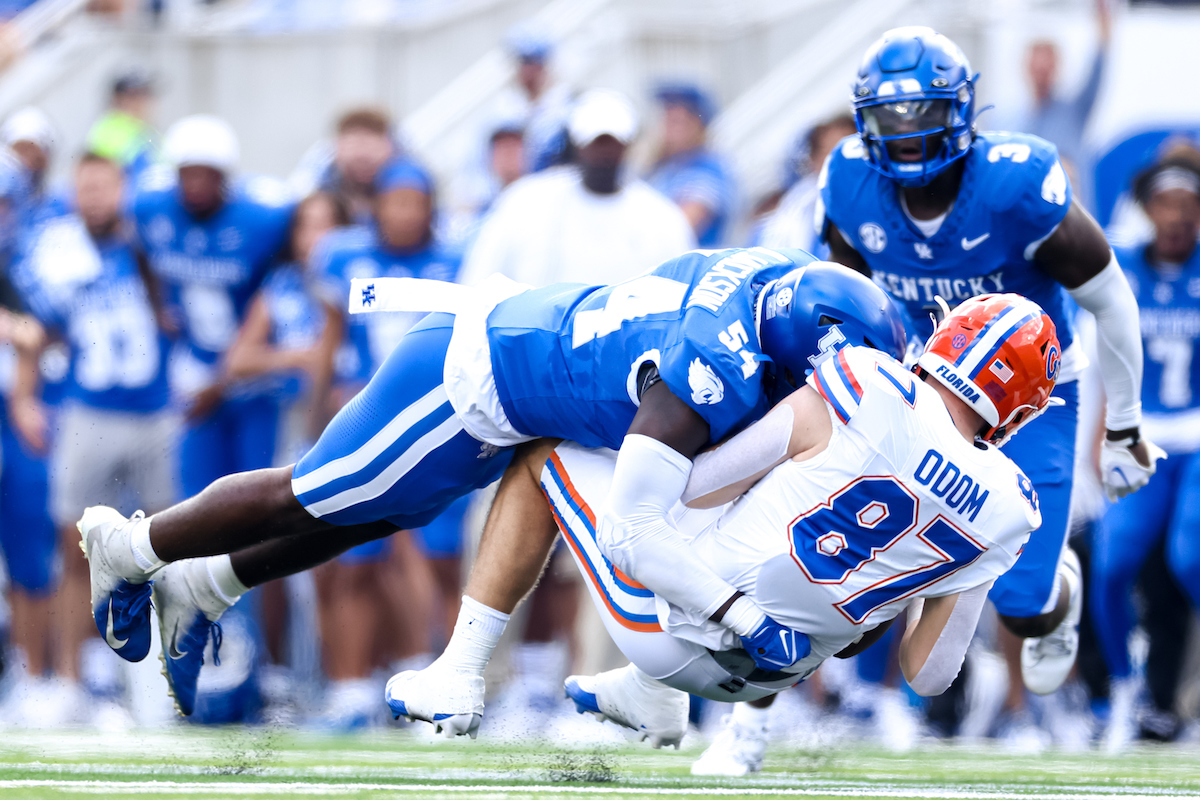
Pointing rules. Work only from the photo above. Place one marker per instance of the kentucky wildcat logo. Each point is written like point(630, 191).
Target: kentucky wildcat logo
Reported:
point(707, 388)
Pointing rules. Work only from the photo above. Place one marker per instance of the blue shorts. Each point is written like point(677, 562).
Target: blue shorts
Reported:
point(443, 538)
point(397, 451)
point(1045, 452)
point(237, 437)
point(27, 534)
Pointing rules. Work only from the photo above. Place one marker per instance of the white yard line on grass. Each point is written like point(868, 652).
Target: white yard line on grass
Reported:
point(256, 788)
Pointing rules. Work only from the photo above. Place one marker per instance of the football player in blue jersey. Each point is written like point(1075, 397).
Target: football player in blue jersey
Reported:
point(658, 367)
point(83, 279)
point(930, 207)
point(210, 238)
point(1165, 276)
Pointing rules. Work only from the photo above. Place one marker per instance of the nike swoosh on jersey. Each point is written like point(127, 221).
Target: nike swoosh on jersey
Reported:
point(109, 634)
point(971, 244)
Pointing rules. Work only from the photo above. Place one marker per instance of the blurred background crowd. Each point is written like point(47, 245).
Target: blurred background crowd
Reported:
point(187, 189)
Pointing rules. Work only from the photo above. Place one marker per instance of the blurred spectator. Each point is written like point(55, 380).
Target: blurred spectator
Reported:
point(31, 137)
point(210, 237)
point(792, 223)
point(540, 104)
point(347, 166)
point(1165, 276)
point(1061, 120)
point(583, 221)
point(123, 133)
point(477, 190)
point(578, 222)
point(27, 532)
point(686, 170)
point(115, 435)
point(11, 8)
point(357, 592)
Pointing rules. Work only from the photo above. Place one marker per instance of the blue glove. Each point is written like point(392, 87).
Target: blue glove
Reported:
point(774, 647)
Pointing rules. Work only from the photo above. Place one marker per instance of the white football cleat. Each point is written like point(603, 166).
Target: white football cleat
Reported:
point(1047, 660)
point(450, 700)
point(120, 589)
point(735, 752)
point(631, 698)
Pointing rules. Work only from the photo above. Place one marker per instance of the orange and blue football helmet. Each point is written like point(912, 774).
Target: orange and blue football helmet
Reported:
point(1000, 354)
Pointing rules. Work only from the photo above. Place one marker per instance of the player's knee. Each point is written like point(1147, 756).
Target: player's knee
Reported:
point(1030, 627)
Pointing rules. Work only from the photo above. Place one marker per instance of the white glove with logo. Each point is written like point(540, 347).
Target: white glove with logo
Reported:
point(1120, 470)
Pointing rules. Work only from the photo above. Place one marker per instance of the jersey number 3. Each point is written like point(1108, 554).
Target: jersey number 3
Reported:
point(866, 538)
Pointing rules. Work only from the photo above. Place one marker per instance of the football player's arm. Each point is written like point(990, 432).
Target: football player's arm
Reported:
point(935, 643)
point(1078, 256)
point(799, 427)
point(636, 534)
point(841, 251)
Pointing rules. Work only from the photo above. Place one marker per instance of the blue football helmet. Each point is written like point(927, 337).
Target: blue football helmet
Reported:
point(814, 311)
point(914, 104)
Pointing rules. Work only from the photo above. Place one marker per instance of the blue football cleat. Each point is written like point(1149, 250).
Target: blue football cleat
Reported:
point(120, 606)
point(185, 633)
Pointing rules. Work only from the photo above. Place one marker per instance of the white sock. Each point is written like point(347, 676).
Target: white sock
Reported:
point(224, 580)
point(143, 552)
point(476, 634)
point(749, 716)
point(209, 581)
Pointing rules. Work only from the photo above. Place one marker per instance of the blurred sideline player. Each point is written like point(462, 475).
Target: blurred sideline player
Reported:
point(210, 238)
point(927, 206)
point(114, 434)
point(26, 528)
point(1165, 276)
point(288, 340)
point(399, 242)
point(347, 166)
point(660, 366)
point(687, 170)
point(908, 499)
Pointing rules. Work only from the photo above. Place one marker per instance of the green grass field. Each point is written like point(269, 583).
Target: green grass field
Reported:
point(265, 763)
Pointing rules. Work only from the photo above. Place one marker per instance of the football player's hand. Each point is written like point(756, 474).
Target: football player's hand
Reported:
point(1125, 468)
point(774, 647)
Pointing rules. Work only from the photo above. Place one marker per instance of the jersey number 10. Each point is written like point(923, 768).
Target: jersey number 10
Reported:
point(840, 541)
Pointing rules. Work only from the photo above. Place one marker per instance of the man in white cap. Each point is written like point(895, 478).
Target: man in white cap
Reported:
point(30, 136)
point(210, 238)
point(585, 221)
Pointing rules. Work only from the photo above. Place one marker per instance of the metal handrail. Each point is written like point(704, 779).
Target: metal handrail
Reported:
point(42, 18)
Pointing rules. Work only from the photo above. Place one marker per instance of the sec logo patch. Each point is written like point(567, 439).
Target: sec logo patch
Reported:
point(872, 236)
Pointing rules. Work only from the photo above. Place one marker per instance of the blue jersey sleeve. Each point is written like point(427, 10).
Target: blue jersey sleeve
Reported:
point(840, 180)
point(1027, 184)
point(715, 368)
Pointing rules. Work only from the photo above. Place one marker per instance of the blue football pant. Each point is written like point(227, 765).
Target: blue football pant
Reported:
point(397, 451)
point(1168, 506)
point(1045, 452)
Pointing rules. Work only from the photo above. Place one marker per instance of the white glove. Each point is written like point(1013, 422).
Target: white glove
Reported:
point(1121, 472)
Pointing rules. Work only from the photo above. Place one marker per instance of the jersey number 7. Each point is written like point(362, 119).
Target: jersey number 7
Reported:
point(865, 537)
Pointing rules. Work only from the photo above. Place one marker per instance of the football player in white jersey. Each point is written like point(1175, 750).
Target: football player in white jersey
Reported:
point(867, 491)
